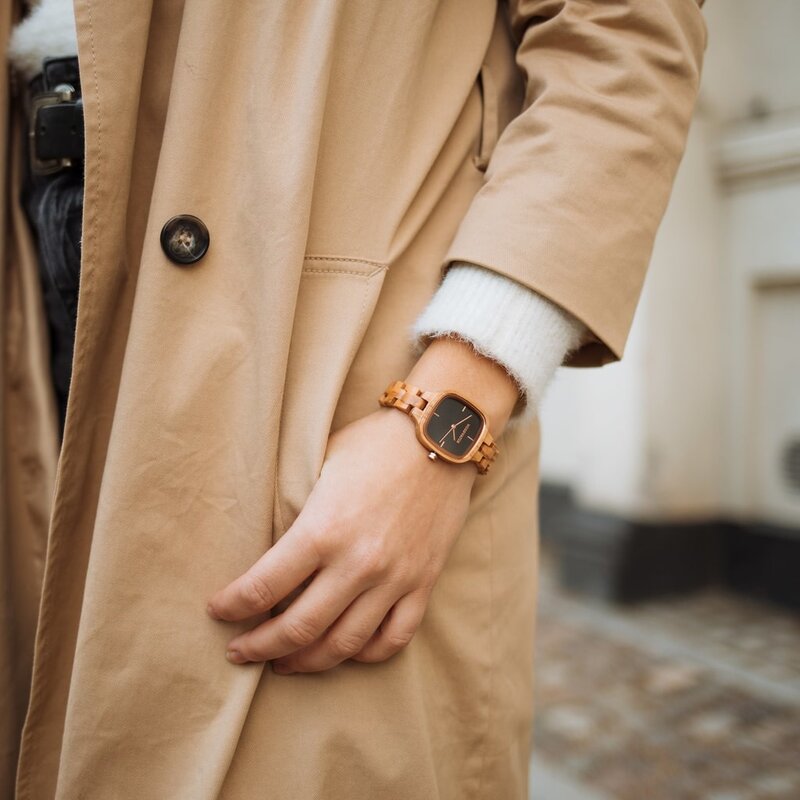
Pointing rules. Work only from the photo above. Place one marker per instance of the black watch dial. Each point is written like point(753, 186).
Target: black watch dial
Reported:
point(454, 425)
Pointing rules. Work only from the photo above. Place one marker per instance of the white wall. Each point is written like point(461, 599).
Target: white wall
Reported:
point(752, 60)
point(674, 429)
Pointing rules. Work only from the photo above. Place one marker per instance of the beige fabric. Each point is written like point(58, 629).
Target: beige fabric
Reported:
point(29, 452)
point(336, 151)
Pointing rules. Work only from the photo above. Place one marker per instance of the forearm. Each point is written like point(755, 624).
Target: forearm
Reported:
point(495, 336)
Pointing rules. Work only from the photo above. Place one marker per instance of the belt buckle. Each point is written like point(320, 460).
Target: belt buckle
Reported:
point(62, 93)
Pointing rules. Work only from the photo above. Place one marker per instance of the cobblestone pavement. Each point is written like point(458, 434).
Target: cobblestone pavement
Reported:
point(689, 699)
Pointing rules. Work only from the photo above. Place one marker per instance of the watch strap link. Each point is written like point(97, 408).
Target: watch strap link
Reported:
point(404, 396)
point(485, 454)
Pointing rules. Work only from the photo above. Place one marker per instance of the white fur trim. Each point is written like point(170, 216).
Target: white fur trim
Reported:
point(501, 318)
point(48, 30)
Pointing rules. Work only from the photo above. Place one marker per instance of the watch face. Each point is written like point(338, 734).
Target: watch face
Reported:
point(454, 425)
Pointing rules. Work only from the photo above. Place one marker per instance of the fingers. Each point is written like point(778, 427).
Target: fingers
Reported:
point(346, 637)
point(398, 628)
point(302, 623)
point(367, 632)
point(280, 570)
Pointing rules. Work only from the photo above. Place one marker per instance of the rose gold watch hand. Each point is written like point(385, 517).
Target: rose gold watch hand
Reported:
point(455, 425)
point(452, 429)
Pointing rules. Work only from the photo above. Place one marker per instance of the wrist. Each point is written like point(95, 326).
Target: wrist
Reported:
point(448, 424)
point(400, 427)
point(452, 363)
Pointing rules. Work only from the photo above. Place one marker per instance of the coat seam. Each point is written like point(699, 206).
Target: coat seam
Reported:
point(357, 273)
point(346, 259)
point(492, 652)
point(277, 500)
point(24, 778)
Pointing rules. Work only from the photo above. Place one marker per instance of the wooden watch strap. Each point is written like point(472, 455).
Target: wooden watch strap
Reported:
point(404, 396)
point(485, 455)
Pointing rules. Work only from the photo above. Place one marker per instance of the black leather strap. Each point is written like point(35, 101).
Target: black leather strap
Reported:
point(59, 130)
point(56, 123)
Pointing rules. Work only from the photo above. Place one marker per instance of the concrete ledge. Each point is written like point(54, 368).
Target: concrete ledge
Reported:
point(626, 560)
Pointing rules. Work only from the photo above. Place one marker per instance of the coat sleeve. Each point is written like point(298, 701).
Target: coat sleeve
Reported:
point(578, 182)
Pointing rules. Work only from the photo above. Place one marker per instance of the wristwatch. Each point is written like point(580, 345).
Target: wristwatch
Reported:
point(448, 425)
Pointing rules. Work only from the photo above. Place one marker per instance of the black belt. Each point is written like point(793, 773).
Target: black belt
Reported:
point(54, 108)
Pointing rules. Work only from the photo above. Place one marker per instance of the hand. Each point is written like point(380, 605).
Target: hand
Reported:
point(374, 535)
point(364, 554)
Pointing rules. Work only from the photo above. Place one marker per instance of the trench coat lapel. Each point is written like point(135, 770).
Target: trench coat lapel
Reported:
point(162, 486)
point(110, 93)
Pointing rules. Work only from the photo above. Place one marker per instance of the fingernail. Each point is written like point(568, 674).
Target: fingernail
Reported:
point(235, 657)
point(281, 669)
point(211, 612)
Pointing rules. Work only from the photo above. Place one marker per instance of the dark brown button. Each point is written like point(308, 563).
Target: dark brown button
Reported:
point(185, 239)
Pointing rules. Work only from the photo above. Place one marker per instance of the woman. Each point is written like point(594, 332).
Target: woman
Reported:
point(272, 194)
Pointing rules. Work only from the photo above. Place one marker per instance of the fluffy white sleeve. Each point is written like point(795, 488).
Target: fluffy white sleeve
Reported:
point(520, 329)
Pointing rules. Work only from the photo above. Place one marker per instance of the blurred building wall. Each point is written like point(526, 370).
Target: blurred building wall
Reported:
point(697, 421)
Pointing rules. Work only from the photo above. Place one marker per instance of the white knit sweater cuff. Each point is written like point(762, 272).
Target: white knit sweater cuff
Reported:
point(506, 321)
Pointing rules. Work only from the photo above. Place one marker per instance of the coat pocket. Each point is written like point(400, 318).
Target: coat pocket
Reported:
point(490, 123)
point(336, 300)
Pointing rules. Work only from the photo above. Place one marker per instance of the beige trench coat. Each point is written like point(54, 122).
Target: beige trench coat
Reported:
point(341, 153)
